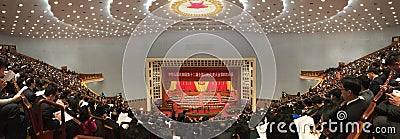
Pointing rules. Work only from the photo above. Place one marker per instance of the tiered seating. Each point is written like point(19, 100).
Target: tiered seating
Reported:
point(66, 80)
point(50, 74)
point(357, 67)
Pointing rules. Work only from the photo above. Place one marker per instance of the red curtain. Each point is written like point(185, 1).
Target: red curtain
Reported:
point(179, 86)
point(192, 86)
point(211, 86)
point(221, 86)
point(185, 85)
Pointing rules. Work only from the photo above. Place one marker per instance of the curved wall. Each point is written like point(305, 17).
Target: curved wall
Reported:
point(293, 53)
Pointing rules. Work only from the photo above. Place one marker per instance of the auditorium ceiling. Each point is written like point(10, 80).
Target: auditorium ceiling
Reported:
point(102, 18)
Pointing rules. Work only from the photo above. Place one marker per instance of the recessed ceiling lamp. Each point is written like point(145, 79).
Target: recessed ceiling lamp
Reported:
point(196, 7)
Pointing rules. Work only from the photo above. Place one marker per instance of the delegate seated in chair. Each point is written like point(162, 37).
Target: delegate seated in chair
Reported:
point(50, 120)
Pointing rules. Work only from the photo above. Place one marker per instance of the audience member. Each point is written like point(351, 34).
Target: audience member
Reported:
point(9, 111)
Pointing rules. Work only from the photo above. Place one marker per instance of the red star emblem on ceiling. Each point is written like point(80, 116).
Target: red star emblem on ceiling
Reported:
point(197, 5)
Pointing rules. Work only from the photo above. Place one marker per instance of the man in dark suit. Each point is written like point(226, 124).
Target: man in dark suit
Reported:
point(49, 121)
point(376, 80)
point(181, 116)
point(30, 91)
point(353, 107)
point(113, 123)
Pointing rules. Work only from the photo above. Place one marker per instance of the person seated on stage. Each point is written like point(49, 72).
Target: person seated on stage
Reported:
point(181, 116)
point(9, 111)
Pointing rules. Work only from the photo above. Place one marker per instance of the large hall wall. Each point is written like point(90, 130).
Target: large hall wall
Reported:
point(293, 52)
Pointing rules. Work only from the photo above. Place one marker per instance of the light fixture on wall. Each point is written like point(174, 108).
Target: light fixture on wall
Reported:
point(197, 7)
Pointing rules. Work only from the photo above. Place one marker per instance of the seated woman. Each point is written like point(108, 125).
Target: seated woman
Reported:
point(89, 126)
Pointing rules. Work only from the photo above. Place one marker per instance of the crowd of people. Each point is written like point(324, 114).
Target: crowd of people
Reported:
point(348, 88)
point(36, 80)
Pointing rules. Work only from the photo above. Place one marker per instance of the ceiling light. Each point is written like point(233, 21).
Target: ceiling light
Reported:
point(55, 2)
point(3, 12)
point(361, 5)
point(20, 5)
point(389, 2)
point(69, 4)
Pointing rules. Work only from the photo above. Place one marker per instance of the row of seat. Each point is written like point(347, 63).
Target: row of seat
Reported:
point(35, 123)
